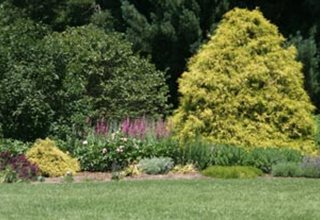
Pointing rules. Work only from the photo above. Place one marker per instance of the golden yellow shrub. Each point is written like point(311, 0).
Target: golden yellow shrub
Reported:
point(50, 159)
point(245, 87)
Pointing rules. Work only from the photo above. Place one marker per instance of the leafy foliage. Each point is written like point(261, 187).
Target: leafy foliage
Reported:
point(112, 79)
point(51, 85)
point(15, 147)
point(50, 160)
point(58, 13)
point(100, 152)
point(232, 172)
point(204, 154)
point(197, 152)
point(228, 155)
point(287, 169)
point(156, 165)
point(245, 88)
point(309, 167)
point(169, 31)
point(8, 175)
point(23, 112)
point(16, 167)
point(265, 158)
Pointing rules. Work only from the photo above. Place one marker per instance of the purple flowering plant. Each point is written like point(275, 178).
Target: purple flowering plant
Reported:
point(24, 169)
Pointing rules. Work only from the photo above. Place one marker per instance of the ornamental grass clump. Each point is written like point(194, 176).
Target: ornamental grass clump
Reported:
point(50, 159)
point(245, 88)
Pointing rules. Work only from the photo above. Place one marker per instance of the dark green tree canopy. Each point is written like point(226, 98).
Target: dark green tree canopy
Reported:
point(51, 82)
point(105, 69)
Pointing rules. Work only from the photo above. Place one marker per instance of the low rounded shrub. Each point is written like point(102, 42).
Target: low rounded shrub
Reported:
point(17, 167)
point(102, 152)
point(265, 158)
point(156, 165)
point(311, 167)
point(287, 169)
point(232, 172)
point(51, 160)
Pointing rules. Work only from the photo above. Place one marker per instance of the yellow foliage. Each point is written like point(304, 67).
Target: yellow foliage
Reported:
point(244, 87)
point(132, 170)
point(50, 160)
point(186, 169)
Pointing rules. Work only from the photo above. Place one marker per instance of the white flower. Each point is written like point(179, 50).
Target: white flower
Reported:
point(124, 139)
point(120, 149)
point(85, 142)
point(104, 150)
point(113, 136)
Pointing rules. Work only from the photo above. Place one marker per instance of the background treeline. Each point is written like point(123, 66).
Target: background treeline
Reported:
point(165, 32)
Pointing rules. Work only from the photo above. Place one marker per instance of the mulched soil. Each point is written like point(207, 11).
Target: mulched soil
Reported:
point(105, 177)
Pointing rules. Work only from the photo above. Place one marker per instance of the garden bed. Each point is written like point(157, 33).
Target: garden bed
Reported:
point(105, 177)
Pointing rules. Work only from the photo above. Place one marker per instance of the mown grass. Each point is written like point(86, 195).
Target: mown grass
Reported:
point(164, 199)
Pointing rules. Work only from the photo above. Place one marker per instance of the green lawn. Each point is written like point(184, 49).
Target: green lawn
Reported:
point(164, 199)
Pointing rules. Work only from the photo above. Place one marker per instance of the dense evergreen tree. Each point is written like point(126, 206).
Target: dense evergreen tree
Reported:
point(245, 87)
point(308, 54)
point(170, 31)
point(57, 13)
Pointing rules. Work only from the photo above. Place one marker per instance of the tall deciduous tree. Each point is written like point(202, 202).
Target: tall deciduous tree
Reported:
point(50, 82)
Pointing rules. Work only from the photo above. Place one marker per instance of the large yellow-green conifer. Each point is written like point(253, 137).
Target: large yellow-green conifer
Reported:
point(245, 87)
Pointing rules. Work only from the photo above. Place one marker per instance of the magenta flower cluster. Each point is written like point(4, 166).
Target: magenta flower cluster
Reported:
point(102, 127)
point(137, 128)
point(141, 127)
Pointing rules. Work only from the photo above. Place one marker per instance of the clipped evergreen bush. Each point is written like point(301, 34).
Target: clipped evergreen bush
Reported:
point(245, 87)
point(50, 160)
